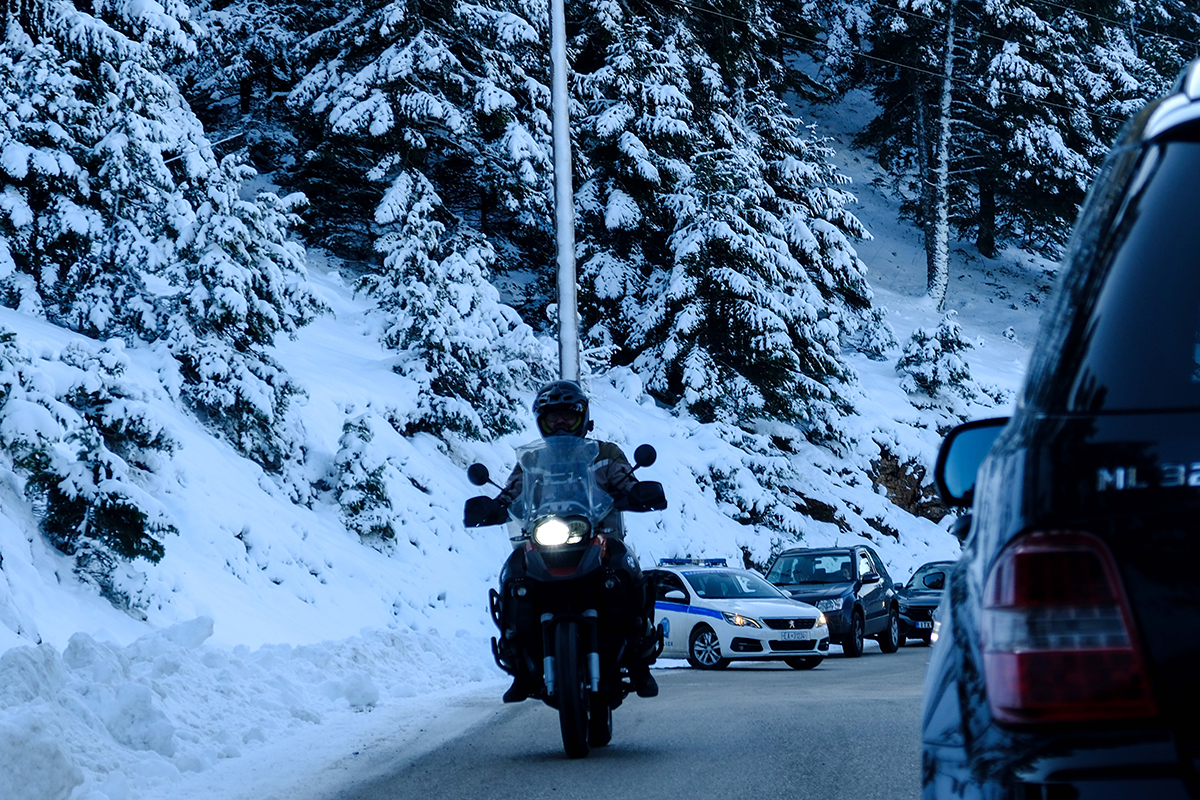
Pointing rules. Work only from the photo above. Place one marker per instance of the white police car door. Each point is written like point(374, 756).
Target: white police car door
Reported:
point(672, 614)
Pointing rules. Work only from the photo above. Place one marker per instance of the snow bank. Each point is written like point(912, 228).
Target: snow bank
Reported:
point(99, 721)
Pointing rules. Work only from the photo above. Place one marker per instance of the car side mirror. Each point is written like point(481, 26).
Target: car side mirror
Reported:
point(871, 577)
point(934, 580)
point(959, 457)
point(675, 595)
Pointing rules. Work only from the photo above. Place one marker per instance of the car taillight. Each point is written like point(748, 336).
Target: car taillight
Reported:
point(1058, 638)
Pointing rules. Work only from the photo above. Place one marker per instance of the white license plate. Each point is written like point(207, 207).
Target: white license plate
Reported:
point(924, 624)
point(792, 636)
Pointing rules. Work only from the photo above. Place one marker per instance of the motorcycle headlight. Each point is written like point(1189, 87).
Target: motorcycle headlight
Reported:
point(740, 621)
point(558, 531)
point(833, 604)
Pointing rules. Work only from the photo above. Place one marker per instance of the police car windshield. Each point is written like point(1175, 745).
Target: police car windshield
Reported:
point(713, 585)
point(812, 568)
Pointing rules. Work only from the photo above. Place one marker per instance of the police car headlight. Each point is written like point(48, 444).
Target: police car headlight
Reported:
point(834, 604)
point(740, 621)
point(822, 621)
point(557, 531)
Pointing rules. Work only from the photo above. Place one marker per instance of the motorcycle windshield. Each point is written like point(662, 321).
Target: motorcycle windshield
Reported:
point(558, 481)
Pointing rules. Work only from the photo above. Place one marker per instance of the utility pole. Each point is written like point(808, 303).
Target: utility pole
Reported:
point(564, 198)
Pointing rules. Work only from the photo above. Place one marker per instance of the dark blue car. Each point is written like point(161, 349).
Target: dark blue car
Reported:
point(919, 598)
point(852, 587)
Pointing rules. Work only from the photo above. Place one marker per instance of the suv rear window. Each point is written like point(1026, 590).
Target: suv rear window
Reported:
point(1124, 332)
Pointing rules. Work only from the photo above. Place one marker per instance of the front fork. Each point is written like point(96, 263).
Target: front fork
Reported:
point(589, 622)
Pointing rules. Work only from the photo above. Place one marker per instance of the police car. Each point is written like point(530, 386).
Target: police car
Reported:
point(712, 614)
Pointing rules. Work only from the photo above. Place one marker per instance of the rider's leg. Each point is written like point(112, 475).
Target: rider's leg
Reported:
point(516, 623)
point(638, 610)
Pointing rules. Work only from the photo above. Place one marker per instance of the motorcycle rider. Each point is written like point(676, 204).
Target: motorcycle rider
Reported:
point(562, 410)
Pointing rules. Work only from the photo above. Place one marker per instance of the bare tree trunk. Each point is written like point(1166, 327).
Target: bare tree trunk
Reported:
point(924, 169)
point(939, 263)
point(986, 240)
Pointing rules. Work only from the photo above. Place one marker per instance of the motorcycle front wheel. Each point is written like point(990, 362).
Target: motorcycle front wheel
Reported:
point(572, 696)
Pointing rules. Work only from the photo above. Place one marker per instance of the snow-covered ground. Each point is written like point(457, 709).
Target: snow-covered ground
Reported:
point(279, 653)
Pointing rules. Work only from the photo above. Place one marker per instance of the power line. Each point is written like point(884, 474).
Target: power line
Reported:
point(1098, 18)
point(909, 67)
point(939, 24)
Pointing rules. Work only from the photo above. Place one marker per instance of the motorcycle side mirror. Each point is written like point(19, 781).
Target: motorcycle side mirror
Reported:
point(478, 474)
point(645, 455)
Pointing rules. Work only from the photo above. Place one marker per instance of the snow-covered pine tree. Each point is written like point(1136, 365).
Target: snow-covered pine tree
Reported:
point(91, 460)
point(243, 285)
point(1035, 93)
point(110, 184)
point(634, 144)
point(1166, 33)
point(360, 481)
point(1057, 82)
point(249, 57)
point(706, 192)
point(735, 330)
point(469, 354)
point(933, 361)
point(435, 102)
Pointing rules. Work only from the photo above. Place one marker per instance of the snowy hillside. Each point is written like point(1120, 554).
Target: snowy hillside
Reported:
point(267, 625)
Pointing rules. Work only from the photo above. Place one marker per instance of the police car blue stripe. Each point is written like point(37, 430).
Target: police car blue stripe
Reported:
point(706, 612)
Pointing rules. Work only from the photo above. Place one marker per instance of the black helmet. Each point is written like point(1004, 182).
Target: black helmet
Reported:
point(561, 397)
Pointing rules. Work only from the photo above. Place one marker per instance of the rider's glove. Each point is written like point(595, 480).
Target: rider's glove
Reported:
point(484, 510)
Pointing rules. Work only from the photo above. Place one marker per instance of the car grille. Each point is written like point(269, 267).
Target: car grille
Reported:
point(789, 624)
point(916, 612)
point(778, 645)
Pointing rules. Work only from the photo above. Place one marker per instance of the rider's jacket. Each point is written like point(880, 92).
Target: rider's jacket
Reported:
point(613, 473)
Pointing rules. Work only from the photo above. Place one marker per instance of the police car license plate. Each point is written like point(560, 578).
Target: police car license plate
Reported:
point(791, 636)
point(924, 624)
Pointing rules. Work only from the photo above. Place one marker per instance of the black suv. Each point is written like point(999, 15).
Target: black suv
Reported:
point(1068, 663)
point(852, 587)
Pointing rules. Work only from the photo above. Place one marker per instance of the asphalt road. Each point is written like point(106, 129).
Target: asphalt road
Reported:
point(848, 729)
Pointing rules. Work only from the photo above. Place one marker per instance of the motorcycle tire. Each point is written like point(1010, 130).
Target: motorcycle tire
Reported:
point(568, 685)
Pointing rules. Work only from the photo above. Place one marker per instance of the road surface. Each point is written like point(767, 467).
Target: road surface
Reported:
point(848, 729)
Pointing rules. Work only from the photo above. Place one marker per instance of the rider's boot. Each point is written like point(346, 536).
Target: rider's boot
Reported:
point(518, 691)
point(639, 672)
point(643, 682)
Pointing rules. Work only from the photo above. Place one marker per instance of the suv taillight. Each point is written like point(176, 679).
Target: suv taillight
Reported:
point(1058, 638)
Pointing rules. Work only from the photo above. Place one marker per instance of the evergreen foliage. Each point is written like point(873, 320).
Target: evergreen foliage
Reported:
point(92, 459)
point(933, 361)
point(469, 354)
point(714, 234)
point(361, 481)
point(118, 219)
point(1038, 92)
point(433, 102)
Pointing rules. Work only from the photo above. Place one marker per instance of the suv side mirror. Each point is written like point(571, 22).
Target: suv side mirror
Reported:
point(871, 577)
point(961, 453)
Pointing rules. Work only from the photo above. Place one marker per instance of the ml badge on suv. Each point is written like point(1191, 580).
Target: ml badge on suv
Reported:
point(852, 587)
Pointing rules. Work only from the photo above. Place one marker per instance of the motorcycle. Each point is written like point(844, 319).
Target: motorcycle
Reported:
point(572, 586)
